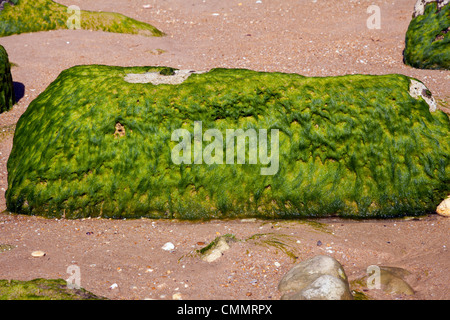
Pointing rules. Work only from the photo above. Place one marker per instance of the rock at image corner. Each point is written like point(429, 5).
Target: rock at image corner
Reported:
point(7, 97)
point(100, 141)
point(427, 43)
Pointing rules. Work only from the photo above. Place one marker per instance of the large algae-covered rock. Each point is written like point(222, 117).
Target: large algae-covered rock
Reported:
point(7, 98)
point(107, 141)
point(43, 15)
point(427, 44)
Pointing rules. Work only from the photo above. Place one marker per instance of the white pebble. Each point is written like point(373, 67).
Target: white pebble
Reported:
point(113, 286)
point(168, 246)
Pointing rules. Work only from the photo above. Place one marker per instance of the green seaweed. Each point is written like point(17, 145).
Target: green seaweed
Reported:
point(42, 289)
point(427, 43)
point(278, 241)
point(359, 295)
point(7, 97)
point(44, 15)
point(356, 146)
point(314, 224)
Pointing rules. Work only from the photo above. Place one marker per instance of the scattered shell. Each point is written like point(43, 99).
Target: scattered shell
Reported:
point(38, 253)
point(114, 286)
point(168, 246)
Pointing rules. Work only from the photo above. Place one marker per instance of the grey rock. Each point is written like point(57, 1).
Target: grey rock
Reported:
point(325, 287)
point(321, 277)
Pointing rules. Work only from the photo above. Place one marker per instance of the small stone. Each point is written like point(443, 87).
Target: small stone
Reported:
point(213, 255)
point(216, 251)
point(38, 254)
point(319, 243)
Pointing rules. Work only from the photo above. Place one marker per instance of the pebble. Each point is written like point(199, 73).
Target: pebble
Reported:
point(177, 296)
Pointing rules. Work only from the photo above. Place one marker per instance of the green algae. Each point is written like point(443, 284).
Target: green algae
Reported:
point(281, 242)
point(427, 43)
point(355, 146)
point(42, 289)
point(7, 98)
point(314, 224)
point(44, 15)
